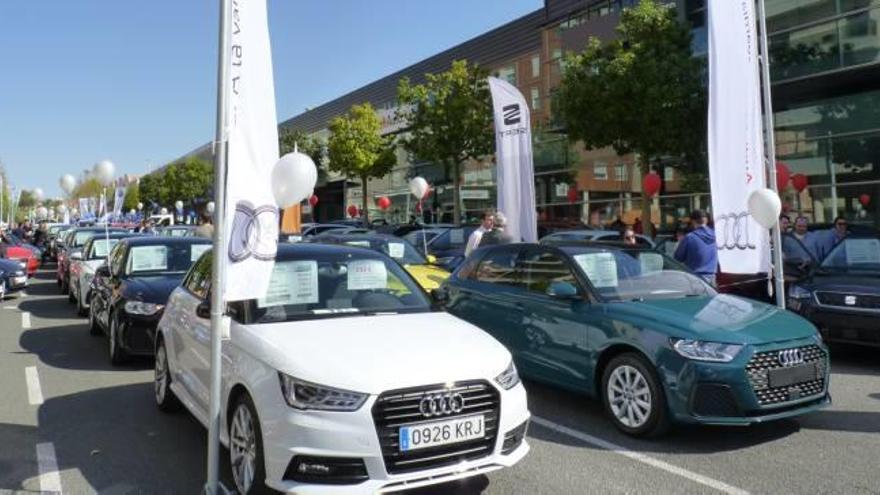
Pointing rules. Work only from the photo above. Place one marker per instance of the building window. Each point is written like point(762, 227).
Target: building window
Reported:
point(508, 74)
point(600, 171)
point(620, 172)
point(668, 174)
point(536, 99)
point(536, 66)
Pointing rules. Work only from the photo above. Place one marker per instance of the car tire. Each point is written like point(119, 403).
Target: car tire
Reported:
point(71, 294)
point(246, 447)
point(633, 397)
point(117, 353)
point(94, 328)
point(81, 310)
point(65, 287)
point(165, 398)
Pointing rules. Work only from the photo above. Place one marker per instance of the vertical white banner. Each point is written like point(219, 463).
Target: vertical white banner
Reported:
point(118, 199)
point(513, 157)
point(83, 207)
point(251, 213)
point(736, 145)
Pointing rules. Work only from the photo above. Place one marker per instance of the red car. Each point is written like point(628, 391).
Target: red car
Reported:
point(21, 254)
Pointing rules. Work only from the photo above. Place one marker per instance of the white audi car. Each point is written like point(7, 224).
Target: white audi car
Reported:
point(342, 379)
point(83, 265)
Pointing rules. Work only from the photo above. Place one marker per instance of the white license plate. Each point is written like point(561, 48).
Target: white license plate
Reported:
point(19, 280)
point(436, 433)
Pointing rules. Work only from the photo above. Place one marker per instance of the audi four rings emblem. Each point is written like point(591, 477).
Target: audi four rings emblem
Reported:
point(254, 232)
point(732, 231)
point(441, 404)
point(791, 357)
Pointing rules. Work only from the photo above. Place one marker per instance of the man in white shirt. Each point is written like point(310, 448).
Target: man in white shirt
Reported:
point(486, 223)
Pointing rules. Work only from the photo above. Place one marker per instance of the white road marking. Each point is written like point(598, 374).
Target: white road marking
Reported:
point(26, 320)
point(35, 393)
point(50, 478)
point(636, 456)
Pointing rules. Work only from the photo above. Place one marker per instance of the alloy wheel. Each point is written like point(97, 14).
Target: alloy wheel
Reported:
point(629, 396)
point(243, 448)
point(161, 375)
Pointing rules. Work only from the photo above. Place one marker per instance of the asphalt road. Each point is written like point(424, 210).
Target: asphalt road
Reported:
point(71, 422)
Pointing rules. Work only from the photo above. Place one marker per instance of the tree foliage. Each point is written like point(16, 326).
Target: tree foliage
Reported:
point(641, 93)
point(132, 197)
point(188, 180)
point(357, 149)
point(89, 188)
point(288, 139)
point(152, 189)
point(448, 120)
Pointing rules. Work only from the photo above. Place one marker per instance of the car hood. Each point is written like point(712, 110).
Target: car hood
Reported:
point(9, 266)
point(720, 318)
point(846, 283)
point(373, 354)
point(150, 289)
point(428, 276)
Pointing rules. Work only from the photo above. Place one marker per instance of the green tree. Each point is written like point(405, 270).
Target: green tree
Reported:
point(89, 188)
point(288, 139)
point(641, 93)
point(356, 147)
point(448, 120)
point(188, 180)
point(132, 197)
point(152, 189)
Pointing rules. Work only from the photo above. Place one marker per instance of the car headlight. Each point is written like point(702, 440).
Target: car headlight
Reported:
point(798, 292)
point(22, 264)
point(305, 395)
point(706, 351)
point(18, 274)
point(142, 308)
point(508, 378)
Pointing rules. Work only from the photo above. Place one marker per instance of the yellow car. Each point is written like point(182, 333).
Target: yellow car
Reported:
point(423, 270)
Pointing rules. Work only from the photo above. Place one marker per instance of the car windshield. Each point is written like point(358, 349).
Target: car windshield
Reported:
point(56, 229)
point(854, 254)
point(81, 237)
point(398, 249)
point(420, 237)
point(100, 248)
point(636, 274)
point(163, 259)
point(336, 284)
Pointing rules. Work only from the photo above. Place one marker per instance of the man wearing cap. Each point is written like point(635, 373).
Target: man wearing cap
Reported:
point(497, 235)
point(698, 250)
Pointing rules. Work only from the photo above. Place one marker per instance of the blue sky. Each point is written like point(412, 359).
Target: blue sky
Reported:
point(134, 81)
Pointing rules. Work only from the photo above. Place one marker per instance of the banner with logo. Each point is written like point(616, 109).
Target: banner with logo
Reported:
point(251, 212)
point(118, 199)
point(83, 207)
point(736, 144)
point(513, 156)
point(102, 209)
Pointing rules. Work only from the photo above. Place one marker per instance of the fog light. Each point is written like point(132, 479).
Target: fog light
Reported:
point(326, 470)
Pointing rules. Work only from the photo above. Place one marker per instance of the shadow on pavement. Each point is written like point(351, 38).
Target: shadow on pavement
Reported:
point(854, 360)
point(72, 347)
point(55, 308)
point(18, 459)
point(851, 421)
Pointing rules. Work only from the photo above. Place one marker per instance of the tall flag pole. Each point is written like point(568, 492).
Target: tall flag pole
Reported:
point(769, 131)
point(218, 268)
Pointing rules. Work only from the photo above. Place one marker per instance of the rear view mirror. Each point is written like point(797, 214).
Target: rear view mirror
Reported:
point(103, 271)
point(562, 290)
point(76, 256)
point(431, 259)
point(203, 310)
point(439, 296)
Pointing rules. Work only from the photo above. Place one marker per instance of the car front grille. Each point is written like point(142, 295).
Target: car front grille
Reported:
point(839, 299)
point(397, 408)
point(758, 371)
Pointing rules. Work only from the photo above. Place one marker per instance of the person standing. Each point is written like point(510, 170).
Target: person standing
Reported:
point(206, 229)
point(629, 236)
point(833, 237)
point(497, 235)
point(486, 223)
point(698, 250)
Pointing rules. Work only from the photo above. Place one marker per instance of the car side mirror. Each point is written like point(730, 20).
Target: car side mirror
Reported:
point(203, 310)
point(102, 271)
point(439, 296)
point(431, 259)
point(76, 256)
point(562, 290)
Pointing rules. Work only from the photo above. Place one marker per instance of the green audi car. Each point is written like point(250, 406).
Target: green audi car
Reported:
point(637, 330)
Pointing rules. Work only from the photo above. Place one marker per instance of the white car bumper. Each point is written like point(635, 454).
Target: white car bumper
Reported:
point(353, 435)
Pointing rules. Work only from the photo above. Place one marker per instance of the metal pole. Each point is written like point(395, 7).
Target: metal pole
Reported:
point(769, 129)
point(218, 269)
point(832, 172)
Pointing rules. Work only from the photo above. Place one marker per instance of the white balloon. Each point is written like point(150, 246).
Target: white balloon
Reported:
point(131, 211)
point(765, 207)
point(140, 206)
point(74, 212)
point(178, 204)
point(293, 179)
point(103, 171)
point(67, 183)
point(38, 194)
point(418, 186)
point(62, 209)
point(163, 211)
point(42, 212)
point(210, 207)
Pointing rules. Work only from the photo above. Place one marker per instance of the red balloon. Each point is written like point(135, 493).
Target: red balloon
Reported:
point(865, 200)
point(313, 200)
point(800, 182)
point(572, 195)
point(651, 184)
point(352, 211)
point(782, 176)
point(383, 202)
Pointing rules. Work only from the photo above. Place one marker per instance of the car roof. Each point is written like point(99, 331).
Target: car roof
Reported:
point(153, 240)
point(114, 235)
point(353, 236)
point(294, 251)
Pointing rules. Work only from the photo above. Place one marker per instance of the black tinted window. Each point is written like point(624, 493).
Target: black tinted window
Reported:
point(199, 279)
point(542, 268)
point(498, 267)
